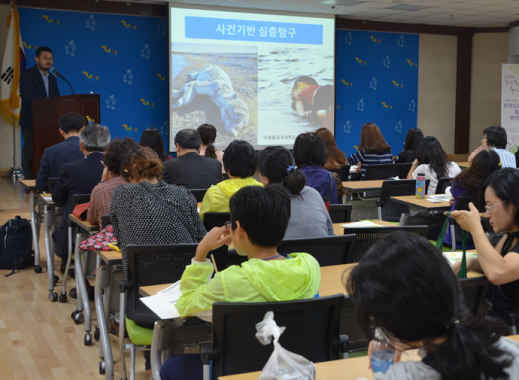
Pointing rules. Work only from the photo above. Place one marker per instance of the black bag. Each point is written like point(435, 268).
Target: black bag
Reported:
point(16, 244)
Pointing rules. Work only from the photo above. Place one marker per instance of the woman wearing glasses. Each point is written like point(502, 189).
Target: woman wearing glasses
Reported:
point(498, 257)
point(405, 292)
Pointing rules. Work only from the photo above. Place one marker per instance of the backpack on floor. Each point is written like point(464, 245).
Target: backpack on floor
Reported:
point(16, 244)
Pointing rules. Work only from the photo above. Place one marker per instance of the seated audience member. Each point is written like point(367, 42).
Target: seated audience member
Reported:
point(308, 214)
point(152, 139)
point(432, 161)
point(79, 177)
point(405, 292)
point(495, 138)
point(498, 257)
point(335, 157)
point(310, 156)
point(373, 148)
point(190, 169)
point(207, 133)
point(116, 155)
point(55, 156)
point(468, 186)
point(413, 139)
point(259, 218)
point(239, 161)
point(148, 211)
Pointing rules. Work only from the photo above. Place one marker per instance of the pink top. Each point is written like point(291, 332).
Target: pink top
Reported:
point(101, 199)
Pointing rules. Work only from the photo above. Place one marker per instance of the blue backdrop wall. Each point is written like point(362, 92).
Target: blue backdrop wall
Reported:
point(122, 58)
point(376, 81)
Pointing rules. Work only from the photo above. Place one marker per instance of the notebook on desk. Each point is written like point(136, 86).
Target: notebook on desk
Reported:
point(361, 224)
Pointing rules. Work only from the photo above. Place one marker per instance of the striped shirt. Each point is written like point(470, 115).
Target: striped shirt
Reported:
point(507, 159)
point(368, 159)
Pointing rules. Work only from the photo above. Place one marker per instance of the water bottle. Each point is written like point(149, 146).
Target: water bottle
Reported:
point(382, 358)
point(420, 185)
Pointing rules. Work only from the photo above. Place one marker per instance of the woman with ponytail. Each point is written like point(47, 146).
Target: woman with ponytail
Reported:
point(308, 214)
point(207, 133)
point(405, 290)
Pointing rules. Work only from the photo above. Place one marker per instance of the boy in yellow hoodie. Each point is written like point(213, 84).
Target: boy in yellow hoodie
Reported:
point(240, 162)
point(259, 218)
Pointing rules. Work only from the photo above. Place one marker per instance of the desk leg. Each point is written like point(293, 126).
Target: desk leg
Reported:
point(53, 296)
point(83, 294)
point(106, 363)
point(35, 234)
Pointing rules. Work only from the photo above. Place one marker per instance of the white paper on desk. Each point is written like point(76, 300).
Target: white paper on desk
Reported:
point(163, 303)
point(361, 224)
point(455, 256)
point(438, 198)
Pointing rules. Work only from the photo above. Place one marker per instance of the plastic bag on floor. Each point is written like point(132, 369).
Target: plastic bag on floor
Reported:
point(282, 364)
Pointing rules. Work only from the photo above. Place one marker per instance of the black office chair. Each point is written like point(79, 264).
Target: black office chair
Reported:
point(379, 171)
point(198, 194)
point(388, 209)
point(312, 331)
point(343, 172)
point(443, 183)
point(402, 169)
point(355, 339)
point(365, 237)
point(340, 213)
point(144, 266)
point(331, 250)
point(77, 199)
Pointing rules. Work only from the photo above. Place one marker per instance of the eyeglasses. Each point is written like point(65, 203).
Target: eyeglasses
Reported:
point(490, 208)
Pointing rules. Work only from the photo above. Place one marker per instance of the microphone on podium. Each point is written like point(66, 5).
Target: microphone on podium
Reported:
point(58, 74)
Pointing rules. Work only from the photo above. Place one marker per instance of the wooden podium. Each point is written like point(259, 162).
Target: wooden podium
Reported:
point(46, 113)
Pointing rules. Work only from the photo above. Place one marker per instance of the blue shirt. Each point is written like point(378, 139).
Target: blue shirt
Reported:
point(45, 77)
point(321, 180)
point(507, 159)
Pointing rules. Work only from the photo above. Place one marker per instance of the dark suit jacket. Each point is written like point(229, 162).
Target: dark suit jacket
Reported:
point(193, 171)
point(54, 157)
point(32, 88)
point(78, 177)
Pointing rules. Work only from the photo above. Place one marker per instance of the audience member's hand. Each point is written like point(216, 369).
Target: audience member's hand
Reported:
point(468, 220)
point(214, 239)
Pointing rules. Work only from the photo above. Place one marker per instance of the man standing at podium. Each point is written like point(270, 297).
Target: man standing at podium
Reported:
point(35, 83)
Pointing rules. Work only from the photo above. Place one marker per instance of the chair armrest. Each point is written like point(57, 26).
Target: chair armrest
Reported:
point(344, 341)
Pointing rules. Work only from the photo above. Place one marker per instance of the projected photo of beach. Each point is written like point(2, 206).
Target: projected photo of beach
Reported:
point(215, 84)
point(296, 93)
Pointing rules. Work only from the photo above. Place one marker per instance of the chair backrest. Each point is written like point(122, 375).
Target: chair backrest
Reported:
point(340, 213)
point(80, 198)
point(198, 194)
point(153, 265)
point(343, 172)
point(51, 183)
point(402, 169)
point(330, 250)
point(312, 330)
point(365, 237)
point(380, 171)
point(443, 183)
point(397, 187)
point(474, 292)
point(216, 219)
point(357, 338)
